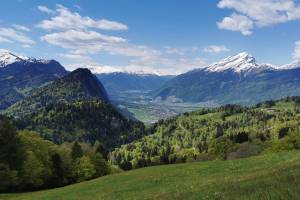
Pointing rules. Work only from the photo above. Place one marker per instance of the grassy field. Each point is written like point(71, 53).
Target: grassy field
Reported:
point(272, 176)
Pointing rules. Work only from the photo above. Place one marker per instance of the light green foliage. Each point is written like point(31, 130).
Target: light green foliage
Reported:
point(43, 164)
point(216, 133)
point(83, 169)
point(32, 172)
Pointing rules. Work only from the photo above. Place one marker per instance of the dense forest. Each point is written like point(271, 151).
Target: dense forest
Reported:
point(63, 143)
point(227, 132)
point(28, 162)
point(82, 120)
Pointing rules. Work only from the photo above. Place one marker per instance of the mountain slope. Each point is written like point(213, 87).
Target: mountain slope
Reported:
point(226, 132)
point(237, 79)
point(80, 84)
point(85, 120)
point(18, 75)
point(120, 81)
point(271, 176)
point(74, 107)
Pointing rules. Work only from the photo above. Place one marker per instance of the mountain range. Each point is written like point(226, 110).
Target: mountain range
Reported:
point(19, 75)
point(118, 82)
point(236, 79)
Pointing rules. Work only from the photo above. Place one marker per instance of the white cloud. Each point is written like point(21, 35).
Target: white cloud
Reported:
point(260, 13)
point(81, 39)
point(2, 40)
point(237, 23)
point(46, 10)
point(91, 42)
point(26, 46)
point(21, 27)
point(216, 49)
point(296, 54)
point(12, 35)
point(174, 66)
point(65, 19)
point(73, 39)
point(172, 50)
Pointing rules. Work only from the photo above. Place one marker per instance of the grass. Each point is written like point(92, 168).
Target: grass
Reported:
point(269, 176)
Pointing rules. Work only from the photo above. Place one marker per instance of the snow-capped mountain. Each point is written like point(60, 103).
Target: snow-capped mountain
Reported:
point(8, 58)
point(235, 79)
point(242, 62)
point(19, 74)
point(110, 70)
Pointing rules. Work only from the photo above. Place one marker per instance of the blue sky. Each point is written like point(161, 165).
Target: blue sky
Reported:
point(167, 37)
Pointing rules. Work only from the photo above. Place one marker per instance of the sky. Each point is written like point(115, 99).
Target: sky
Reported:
point(157, 36)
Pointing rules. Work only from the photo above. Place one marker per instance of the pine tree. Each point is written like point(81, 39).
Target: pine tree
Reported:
point(76, 151)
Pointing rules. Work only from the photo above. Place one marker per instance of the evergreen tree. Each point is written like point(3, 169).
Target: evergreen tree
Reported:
point(99, 148)
point(10, 146)
point(58, 172)
point(100, 164)
point(76, 151)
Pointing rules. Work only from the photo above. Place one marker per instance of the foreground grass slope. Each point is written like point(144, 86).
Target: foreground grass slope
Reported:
point(270, 176)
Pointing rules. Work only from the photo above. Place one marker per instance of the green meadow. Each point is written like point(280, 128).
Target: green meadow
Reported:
point(268, 176)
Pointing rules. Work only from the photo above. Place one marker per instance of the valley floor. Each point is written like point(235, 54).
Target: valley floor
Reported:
point(270, 176)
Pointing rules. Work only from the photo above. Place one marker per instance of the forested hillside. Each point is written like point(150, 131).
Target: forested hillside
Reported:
point(80, 84)
point(227, 132)
point(83, 120)
point(27, 162)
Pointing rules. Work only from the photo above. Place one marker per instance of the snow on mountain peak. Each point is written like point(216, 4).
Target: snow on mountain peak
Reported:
point(242, 62)
point(7, 58)
point(293, 65)
point(109, 69)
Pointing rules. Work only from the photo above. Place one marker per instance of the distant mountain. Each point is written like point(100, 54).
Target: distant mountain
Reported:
point(80, 84)
point(236, 79)
point(121, 81)
point(19, 74)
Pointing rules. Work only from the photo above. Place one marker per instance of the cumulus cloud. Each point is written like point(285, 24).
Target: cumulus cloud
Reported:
point(92, 42)
point(237, 23)
point(81, 38)
point(86, 40)
point(12, 35)
point(46, 10)
point(65, 19)
point(215, 49)
point(296, 54)
point(258, 13)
